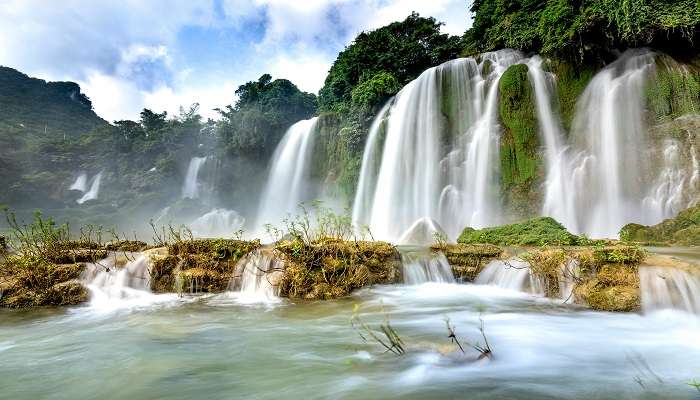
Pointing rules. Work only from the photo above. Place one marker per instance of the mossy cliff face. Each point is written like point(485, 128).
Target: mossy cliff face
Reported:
point(521, 170)
point(337, 158)
point(331, 268)
point(673, 89)
point(203, 265)
point(571, 81)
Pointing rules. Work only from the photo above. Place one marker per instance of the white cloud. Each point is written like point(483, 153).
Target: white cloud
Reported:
point(127, 54)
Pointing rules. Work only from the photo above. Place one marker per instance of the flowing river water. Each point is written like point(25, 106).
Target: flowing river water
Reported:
point(146, 346)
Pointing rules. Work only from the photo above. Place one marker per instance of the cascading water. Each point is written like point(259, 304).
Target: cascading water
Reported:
point(513, 274)
point(113, 285)
point(669, 288)
point(257, 277)
point(94, 190)
point(288, 182)
point(559, 189)
point(190, 188)
point(80, 183)
point(415, 177)
point(218, 222)
point(422, 265)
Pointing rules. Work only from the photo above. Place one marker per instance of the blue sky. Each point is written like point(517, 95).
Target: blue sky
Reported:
point(161, 54)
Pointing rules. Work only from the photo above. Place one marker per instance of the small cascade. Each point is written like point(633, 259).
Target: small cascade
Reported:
point(80, 183)
point(422, 265)
point(190, 188)
point(219, 223)
point(567, 280)
point(669, 288)
point(407, 172)
point(674, 186)
point(513, 274)
point(120, 279)
point(257, 278)
point(559, 190)
point(288, 182)
point(94, 190)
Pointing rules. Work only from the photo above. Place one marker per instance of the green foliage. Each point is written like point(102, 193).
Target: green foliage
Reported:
point(405, 49)
point(534, 232)
point(375, 90)
point(682, 230)
point(583, 28)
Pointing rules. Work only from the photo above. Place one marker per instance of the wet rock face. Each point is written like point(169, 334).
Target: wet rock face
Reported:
point(196, 266)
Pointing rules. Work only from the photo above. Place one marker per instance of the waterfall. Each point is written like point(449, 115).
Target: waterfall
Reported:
point(559, 189)
point(288, 182)
point(190, 188)
point(80, 183)
point(669, 194)
point(513, 274)
point(113, 285)
point(422, 265)
point(257, 278)
point(669, 288)
point(94, 190)
point(408, 173)
point(609, 142)
point(219, 223)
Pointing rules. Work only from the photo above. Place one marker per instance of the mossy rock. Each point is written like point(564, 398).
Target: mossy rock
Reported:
point(541, 231)
point(31, 282)
point(221, 248)
point(331, 268)
point(609, 298)
point(684, 229)
point(546, 264)
point(519, 149)
point(162, 273)
point(126, 245)
point(467, 260)
point(200, 280)
point(628, 255)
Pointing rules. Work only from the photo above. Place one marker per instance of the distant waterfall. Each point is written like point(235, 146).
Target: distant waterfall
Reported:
point(422, 265)
point(217, 223)
point(190, 188)
point(80, 183)
point(94, 190)
point(407, 174)
point(288, 182)
point(669, 194)
point(513, 274)
point(669, 288)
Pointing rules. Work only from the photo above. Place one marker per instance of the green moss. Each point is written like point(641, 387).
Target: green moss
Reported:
point(627, 255)
point(33, 282)
point(673, 90)
point(684, 230)
point(534, 232)
point(520, 160)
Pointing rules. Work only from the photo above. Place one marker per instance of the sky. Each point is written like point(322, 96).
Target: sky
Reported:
point(162, 54)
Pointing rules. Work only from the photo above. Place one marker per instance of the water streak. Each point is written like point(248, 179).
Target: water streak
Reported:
point(190, 188)
point(288, 183)
point(94, 191)
point(513, 274)
point(257, 278)
point(80, 183)
point(421, 266)
point(218, 223)
point(669, 288)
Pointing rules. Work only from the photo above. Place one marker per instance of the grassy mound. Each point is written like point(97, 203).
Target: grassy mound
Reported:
point(541, 231)
point(683, 230)
point(200, 265)
point(329, 268)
